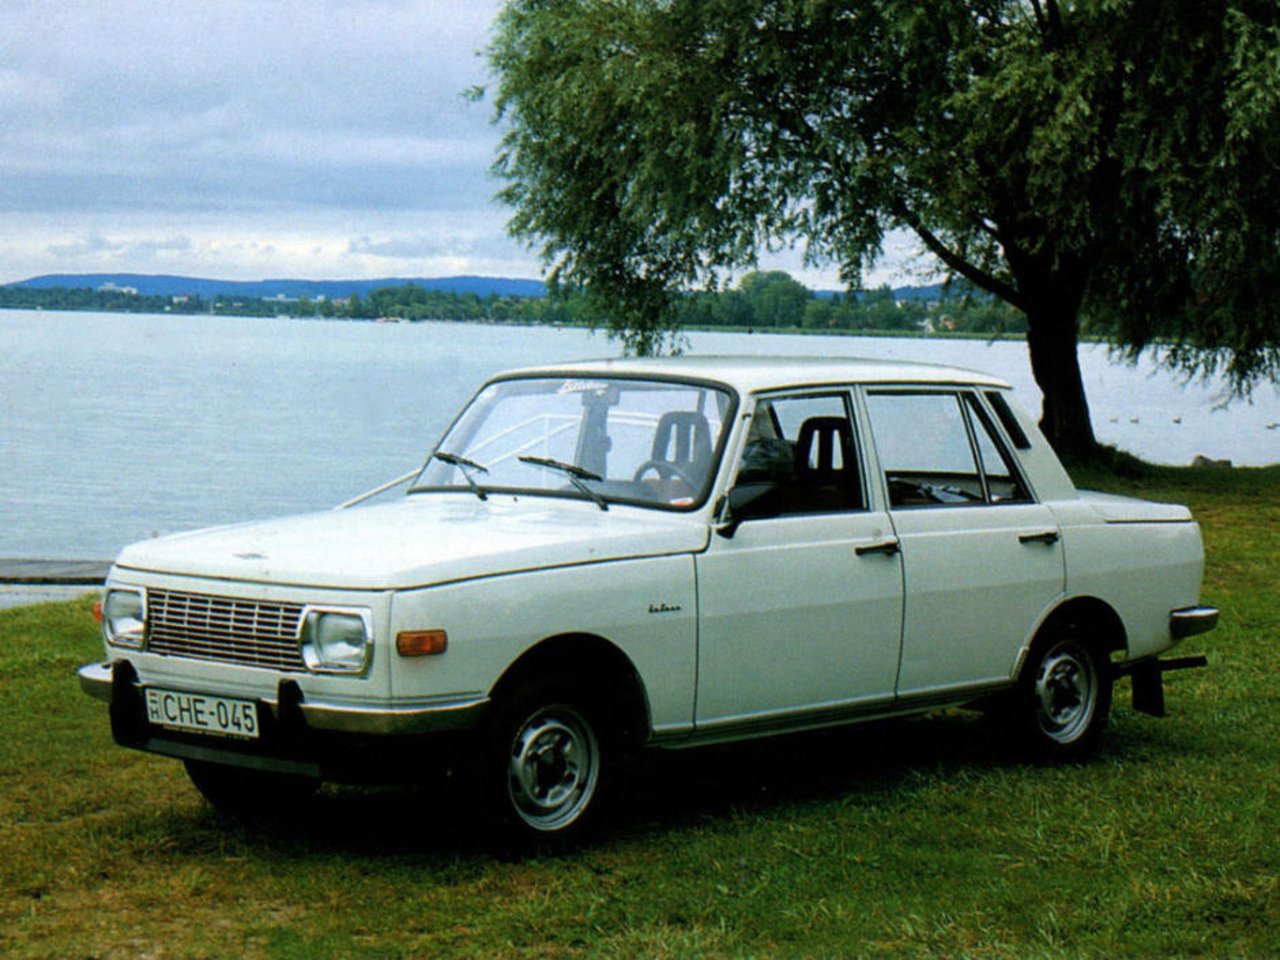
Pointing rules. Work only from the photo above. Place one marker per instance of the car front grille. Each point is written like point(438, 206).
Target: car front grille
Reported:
point(252, 633)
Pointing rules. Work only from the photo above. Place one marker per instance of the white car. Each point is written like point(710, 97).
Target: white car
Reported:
point(671, 552)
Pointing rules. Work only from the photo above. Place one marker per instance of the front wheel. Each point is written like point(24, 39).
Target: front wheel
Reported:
point(546, 758)
point(1065, 697)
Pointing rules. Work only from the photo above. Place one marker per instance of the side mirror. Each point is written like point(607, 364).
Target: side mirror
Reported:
point(747, 501)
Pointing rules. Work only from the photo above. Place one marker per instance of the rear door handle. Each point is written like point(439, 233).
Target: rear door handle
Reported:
point(1048, 537)
point(887, 547)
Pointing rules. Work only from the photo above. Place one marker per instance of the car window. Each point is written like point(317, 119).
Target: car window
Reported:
point(804, 445)
point(1010, 422)
point(1003, 482)
point(938, 448)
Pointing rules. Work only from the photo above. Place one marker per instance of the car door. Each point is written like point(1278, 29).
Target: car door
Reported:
point(982, 560)
point(800, 611)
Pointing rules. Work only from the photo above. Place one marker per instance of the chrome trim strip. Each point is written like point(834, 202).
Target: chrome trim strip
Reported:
point(382, 488)
point(1190, 621)
point(726, 731)
point(1137, 521)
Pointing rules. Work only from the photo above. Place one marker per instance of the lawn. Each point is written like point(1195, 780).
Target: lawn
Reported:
point(912, 839)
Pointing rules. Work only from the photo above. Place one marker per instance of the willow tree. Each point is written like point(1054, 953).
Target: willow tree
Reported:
point(1109, 162)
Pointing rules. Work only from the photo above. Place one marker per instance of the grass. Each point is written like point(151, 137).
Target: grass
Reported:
point(912, 839)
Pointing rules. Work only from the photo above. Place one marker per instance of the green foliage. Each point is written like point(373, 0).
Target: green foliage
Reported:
point(111, 301)
point(1113, 159)
point(774, 300)
point(1198, 227)
point(80, 298)
point(762, 301)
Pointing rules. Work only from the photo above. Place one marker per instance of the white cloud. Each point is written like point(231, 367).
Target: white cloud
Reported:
point(244, 139)
point(114, 253)
point(86, 247)
point(255, 245)
point(28, 91)
point(411, 247)
point(125, 102)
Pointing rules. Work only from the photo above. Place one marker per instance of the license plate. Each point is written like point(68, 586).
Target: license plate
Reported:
point(222, 716)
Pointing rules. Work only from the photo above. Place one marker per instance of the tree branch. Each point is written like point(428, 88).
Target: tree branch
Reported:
point(953, 260)
point(1040, 25)
point(1049, 23)
point(1055, 20)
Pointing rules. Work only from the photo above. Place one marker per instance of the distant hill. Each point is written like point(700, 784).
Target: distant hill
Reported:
point(169, 286)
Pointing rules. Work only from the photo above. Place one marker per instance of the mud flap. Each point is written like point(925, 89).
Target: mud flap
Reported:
point(1148, 681)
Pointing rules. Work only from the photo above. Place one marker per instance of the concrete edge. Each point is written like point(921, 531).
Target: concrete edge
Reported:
point(71, 573)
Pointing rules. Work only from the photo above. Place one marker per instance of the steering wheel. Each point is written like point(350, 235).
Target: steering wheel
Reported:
point(665, 471)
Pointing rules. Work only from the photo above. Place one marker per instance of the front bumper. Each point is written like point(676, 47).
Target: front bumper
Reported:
point(327, 739)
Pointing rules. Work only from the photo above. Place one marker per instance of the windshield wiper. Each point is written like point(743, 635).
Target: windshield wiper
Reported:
point(466, 467)
point(575, 474)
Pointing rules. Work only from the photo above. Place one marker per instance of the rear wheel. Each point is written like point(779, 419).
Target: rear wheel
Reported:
point(1064, 697)
point(241, 792)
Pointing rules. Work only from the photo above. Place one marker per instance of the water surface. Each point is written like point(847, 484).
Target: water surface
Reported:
point(117, 427)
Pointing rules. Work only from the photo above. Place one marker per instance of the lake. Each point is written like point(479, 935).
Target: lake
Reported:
point(118, 427)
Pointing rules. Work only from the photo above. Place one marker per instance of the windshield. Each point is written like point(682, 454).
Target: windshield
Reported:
point(619, 440)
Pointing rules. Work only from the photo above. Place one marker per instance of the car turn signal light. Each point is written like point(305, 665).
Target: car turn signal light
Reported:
point(421, 643)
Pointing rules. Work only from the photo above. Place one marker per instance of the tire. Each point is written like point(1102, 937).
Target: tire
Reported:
point(545, 761)
point(243, 793)
point(1064, 697)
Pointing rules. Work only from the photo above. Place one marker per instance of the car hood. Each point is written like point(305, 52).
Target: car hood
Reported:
point(417, 541)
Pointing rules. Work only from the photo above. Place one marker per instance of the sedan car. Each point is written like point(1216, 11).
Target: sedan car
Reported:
point(652, 553)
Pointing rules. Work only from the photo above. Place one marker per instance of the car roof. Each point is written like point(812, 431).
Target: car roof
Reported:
point(750, 374)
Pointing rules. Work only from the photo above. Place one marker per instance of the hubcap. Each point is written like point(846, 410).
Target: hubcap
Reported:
point(1066, 692)
point(553, 767)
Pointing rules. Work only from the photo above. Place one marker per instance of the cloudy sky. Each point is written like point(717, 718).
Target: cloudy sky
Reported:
point(245, 139)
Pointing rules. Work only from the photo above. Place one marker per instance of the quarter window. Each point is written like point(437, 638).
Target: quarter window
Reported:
point(1011, 425)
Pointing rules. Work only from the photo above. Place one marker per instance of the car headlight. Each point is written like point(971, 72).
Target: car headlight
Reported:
point(124, 618)
point(336, 641)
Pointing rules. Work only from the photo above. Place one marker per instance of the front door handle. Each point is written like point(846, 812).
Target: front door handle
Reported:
point(887, 547)
point(1048, 537)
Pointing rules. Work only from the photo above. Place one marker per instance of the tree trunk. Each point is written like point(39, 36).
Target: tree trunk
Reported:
point(1049, 289)
point(1053, 340)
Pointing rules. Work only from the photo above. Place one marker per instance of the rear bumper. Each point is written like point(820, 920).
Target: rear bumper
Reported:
point(332, 740)
point(1190, 621)
point(1148, 673)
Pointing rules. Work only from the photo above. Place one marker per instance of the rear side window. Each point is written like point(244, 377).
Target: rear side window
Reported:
point(937, 448)
point(1003, 482)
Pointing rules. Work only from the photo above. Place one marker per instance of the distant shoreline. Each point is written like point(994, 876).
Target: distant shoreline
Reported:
point(601, 329)
point(770, 301)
